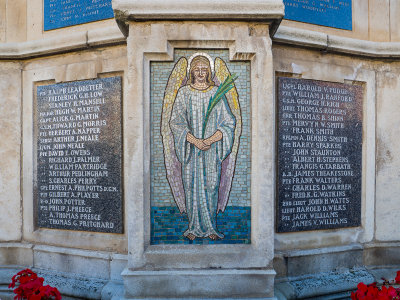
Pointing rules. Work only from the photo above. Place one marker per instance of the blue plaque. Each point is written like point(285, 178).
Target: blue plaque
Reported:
point(64, 13)
point(331, 13)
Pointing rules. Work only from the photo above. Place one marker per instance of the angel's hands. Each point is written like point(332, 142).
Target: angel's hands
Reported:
point(202, 145)
point(217, 136)
point(198, 143)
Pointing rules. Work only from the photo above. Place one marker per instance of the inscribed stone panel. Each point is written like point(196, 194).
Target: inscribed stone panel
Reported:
point(319, 155)
point(78, 155)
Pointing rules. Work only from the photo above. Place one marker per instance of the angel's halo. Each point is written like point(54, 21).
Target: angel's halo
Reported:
point(201, 54)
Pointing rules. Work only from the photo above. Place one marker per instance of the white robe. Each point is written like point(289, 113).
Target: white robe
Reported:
point(201, 170)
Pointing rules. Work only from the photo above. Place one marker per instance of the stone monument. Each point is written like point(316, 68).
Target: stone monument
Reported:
point(199, 149)
point(201, 212)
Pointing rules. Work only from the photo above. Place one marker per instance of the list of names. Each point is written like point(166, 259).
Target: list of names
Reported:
point(78, 155)
point(319, 155)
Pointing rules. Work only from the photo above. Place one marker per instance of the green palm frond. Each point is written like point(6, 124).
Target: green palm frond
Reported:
point(225, 87)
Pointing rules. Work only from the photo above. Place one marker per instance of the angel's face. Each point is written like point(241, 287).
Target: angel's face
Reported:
point(200, 73)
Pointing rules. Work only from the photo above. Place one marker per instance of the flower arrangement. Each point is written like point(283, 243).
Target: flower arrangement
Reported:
point(31, 287)
point(372, 292)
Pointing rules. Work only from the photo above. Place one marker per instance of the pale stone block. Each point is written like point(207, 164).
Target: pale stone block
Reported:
point(199, 283)
point(16, 254)
point(323, 262)
point(360, 20)
point(16, 21)
point(388, 157)
point(394, 20)
point(117, 265)
point(34, 20)
point(3, 21)
point(105, 35)
point(379, 20)
point(80, 71)
point(382, 255)
point(10, 137)
point(81, 262)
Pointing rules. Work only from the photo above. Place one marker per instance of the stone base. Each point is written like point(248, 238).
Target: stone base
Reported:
point(214, 284)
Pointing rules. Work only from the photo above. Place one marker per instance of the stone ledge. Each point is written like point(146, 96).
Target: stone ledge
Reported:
point(64, 43)
point(331, 43)
point(271, 11)
point(322, 285)
point(255, 10)
point(316, 251)
point(89, 263)
point(70, 285)
point(208, 283)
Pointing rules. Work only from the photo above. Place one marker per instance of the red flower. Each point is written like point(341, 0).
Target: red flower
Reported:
point(392, 292)
point(397, 279)
point(22, 277)
point(31, 287)
point(46, 292)
point(25, 290)
point(362, 287)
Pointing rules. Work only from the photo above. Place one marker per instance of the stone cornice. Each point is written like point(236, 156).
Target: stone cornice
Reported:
point(333, 43)
point(63, 43)
point(112, 35)
point(271, 11)
point(200, 10)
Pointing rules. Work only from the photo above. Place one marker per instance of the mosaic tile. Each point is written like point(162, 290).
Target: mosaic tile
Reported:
point(164, 155)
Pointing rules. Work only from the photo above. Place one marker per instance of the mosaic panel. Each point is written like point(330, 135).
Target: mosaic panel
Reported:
point(200, 149)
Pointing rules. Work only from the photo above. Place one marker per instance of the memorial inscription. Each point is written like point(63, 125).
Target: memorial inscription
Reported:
point(331, 13)
point(64, 13)
point(78, 155)
point(319, 155)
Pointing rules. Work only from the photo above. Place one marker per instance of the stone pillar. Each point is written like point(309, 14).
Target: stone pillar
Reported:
point(10, 153)
point(156, 29)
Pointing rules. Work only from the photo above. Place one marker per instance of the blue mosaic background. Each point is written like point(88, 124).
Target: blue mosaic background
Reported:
point(234, 223)
point(64, 13)
point(168, 224)
point(331, 13)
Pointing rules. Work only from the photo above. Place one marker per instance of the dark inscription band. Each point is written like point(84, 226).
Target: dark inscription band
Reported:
point(78, 133)
point(331, 13)
point(64, 13)
point(319, 155)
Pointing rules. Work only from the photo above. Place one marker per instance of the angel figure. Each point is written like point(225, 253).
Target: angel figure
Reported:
point(200, 127)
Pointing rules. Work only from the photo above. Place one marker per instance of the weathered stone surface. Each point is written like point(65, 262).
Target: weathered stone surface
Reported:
point(10, 141)
point(192, 283)
point(328, 285)
point(388, 158)
point(78, 134)
point(319, 155)
point(379, 20)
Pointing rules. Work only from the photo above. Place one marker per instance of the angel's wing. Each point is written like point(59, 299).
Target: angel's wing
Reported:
point(172, 164)
point(228, 165)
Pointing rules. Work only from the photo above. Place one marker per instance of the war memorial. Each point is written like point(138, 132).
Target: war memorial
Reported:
point(200, 149)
